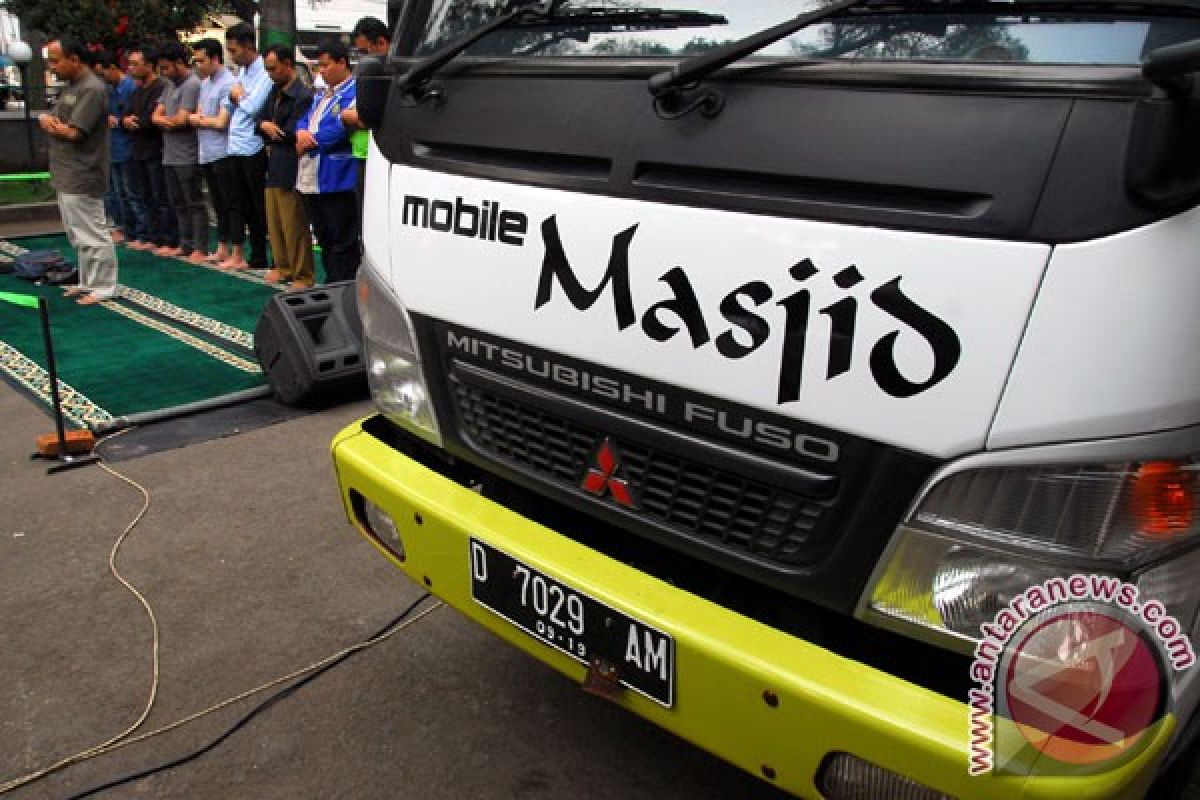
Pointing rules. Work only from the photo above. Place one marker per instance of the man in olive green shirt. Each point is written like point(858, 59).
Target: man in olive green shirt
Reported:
point(77, 135)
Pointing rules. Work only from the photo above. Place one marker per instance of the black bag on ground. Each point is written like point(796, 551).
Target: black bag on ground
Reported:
point(34, 264)
point(63, 275)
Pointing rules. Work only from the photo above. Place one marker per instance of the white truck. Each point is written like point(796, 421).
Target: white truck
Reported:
point(760, 366)
point(317, 19)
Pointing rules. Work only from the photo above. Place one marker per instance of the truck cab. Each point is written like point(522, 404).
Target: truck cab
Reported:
point(746, 362)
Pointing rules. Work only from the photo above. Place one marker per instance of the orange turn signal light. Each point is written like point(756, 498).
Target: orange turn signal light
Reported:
point(1164, 498)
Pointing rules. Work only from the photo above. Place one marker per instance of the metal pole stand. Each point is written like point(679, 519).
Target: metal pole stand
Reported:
point(65, 460)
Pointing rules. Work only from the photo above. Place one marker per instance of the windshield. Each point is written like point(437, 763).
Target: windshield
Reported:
point(1120, 37)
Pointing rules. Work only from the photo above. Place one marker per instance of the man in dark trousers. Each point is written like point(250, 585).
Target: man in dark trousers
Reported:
point(148, 185)
point(77, 137)
point(179, 99)
point(247, 162)
point(287, 219)
point(119, 199)
point(327, 173)
point(211, 122)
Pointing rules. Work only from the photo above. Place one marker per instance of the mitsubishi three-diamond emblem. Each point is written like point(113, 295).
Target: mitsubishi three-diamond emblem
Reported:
point(603, 476)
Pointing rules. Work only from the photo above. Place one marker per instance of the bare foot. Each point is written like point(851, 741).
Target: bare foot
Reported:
point(299, 286)
point(168, 252)
point(272, 276)
point(196, 257)
point(233, 263)
point(219, 256)
point(72, 291)
point(91, 300)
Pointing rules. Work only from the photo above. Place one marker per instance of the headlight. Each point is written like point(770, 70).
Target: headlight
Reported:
point(1111, 516)
point(394, 371)
point(981, 537)
point(949, 587)
point(383, 528)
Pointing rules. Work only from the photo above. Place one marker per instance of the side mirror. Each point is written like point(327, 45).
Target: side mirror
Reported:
point(372, 91)
point(1172, 67)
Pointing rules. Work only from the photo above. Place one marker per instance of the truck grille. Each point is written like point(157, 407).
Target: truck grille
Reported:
point(672, 492)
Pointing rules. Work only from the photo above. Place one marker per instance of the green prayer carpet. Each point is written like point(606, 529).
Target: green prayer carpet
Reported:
point(189, 337)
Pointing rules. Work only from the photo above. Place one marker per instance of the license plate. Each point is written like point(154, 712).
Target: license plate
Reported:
point(571, 621)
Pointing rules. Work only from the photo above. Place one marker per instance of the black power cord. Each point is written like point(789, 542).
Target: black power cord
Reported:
point(254, 712)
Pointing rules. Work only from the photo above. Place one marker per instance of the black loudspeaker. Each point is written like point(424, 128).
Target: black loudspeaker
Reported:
point(309, 344)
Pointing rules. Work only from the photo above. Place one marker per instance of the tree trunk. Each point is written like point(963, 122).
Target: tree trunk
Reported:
point(34, 79)
point(278, 22)
point(244, 9)
point(35, 73)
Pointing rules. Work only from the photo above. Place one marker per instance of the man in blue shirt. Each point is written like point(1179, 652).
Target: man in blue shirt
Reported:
point(327, 171)
point(247, 97)
point(118, 200)
point(211, 122)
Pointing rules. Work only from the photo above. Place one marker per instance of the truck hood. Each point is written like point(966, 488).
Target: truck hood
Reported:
point(905, 338)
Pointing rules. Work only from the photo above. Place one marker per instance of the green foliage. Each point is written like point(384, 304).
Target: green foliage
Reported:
point(629, 47)
point(701, 44)
point(25, 191)
point(244, 9)
point(112, 23)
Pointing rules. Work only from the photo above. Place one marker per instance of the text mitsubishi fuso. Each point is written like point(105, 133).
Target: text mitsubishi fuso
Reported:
point(819, 382)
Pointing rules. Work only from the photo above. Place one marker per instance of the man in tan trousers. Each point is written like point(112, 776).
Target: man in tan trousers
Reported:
point(287, 220)
point(77, 133)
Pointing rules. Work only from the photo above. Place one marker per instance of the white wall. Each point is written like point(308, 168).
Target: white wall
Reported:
point(10, 29)
point(337, 16)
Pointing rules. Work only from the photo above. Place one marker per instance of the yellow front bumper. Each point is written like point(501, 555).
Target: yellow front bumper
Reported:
point(725, 662)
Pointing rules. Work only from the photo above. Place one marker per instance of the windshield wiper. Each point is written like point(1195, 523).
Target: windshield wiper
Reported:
point(416, 81)
point(668, 87)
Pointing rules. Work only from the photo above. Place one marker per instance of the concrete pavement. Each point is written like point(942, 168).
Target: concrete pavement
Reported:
point(253, 572)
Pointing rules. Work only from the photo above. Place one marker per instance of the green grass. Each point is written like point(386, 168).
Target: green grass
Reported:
point(19, 190)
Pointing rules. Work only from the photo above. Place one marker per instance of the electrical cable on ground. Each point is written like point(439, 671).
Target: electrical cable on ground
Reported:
point(123, 739)
point(112, 566)
point(390, 629)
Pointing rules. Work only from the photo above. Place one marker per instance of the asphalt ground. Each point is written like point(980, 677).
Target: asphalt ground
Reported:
point(253, 572)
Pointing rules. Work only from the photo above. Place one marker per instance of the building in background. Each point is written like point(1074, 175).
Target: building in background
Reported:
point(316, 19)
point(212, 27)
point(10, 76)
